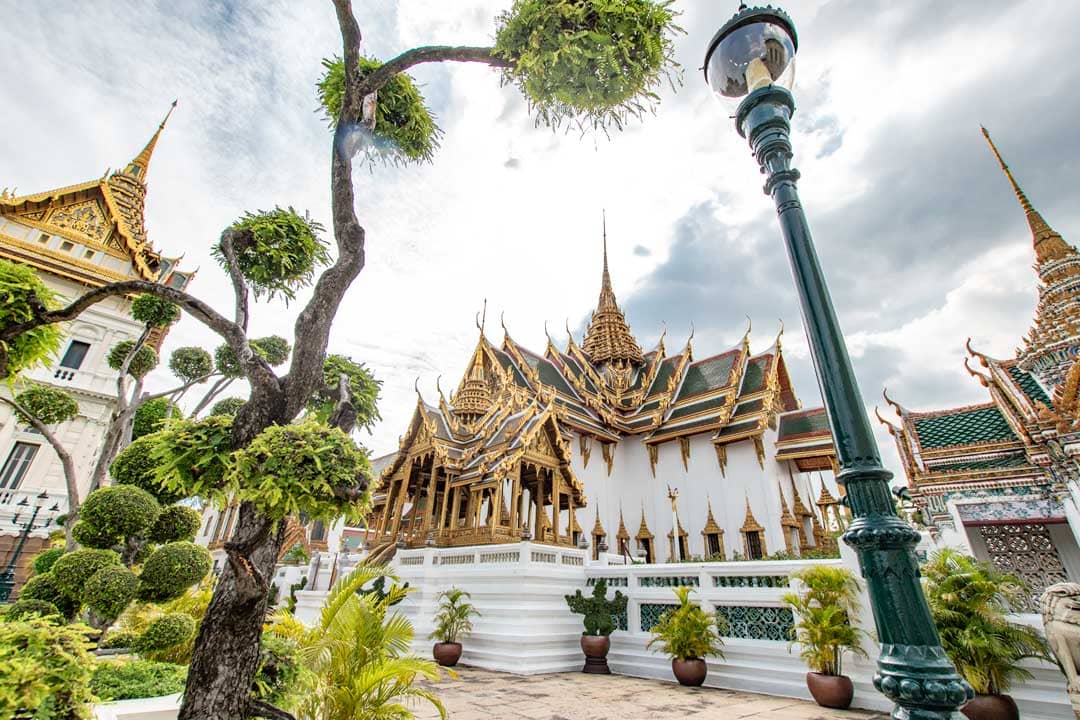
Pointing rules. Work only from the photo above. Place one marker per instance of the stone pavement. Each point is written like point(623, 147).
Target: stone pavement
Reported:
point(481, 694)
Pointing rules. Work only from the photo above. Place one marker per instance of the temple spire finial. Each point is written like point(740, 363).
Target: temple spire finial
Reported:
point(138, 166)
point(608, 337)
point(1049, 245)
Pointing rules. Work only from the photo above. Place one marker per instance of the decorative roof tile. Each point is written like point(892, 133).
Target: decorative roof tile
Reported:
point(804, 422)
point(980, 424)
point(1013, 460)
point(708, 374)
point(1029, 385)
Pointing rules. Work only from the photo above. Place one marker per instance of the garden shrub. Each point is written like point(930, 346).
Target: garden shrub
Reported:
point(165, 632)
point(175, 523)
point(118, 639)
point(279, 669)
point(74, 569)
point(45, 670)
point(43, 561)
point(109, 591)
point(49, 405)
point(117, 512)
point(131, 679)
point(45, 587)
point(191, 363)
point(136, 465)
point(227, 406)
point(151, 414)
point(145, 360)
point(171, 569)
point(155, 311)
point(24, 607)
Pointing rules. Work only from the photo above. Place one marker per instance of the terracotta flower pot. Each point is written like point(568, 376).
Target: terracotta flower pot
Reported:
point(691, 672)
point(831, 691)
point(447, 654)
point(991, 707)
point(596, 649)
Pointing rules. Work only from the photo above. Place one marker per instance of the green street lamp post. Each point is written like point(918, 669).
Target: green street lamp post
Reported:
point(751, 60)
point(7, 577)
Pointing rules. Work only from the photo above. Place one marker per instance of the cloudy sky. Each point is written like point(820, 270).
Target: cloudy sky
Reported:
point(920, 236)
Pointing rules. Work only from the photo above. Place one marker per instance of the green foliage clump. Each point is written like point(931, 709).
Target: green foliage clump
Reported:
point(49, 405)
point(136, 465)
point(25, 607)
point(116, 512)
point(165, 632)
point(192, 457)
point(969, 601)
point(145, 360)
point(45, 670)
point(405, 130)
point(296, 555)
point(827, 610)
point(454, 618)
point(274, 349)
point(20, 286)
point(599, 612)
point(595, 62)
point(118, 639)
point(363, 390)
point(74, 569)
point(227, 406)
point(109, 591)
point(45, 588)
point(152, 414)
point(132, 679)
point(175, 523)
point(277, 251)
point(171, 569)
point(686, 631)
point(279, 670)
point(43, 561)
point(154, 311)
point(294, 469)
point(191, 363)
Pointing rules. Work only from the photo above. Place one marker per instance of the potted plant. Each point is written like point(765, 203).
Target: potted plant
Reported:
point(688, 635)
point(452, 622)
point(599, 615)
point(969, 601)
point(827, 610)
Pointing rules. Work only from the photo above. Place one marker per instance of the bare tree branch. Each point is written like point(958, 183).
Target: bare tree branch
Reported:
point(212, 393)
point(427, 54)
point(240, 288)
point(178, 390)
point(71, 482)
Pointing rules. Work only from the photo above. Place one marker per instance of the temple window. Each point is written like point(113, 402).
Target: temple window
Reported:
point(713, 545)
point(755, 547)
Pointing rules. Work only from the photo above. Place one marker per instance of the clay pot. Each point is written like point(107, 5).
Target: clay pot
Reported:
point(691, 672)
point(991, 707)
point(831, 691)
point(596, 649)
point(447, 654)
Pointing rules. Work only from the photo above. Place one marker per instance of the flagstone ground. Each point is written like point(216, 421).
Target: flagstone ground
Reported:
point(481, 694)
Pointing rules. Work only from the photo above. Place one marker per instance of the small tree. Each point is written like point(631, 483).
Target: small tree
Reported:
point(686, 632)
point(599, 612)
point(827, 610)
point(454, 619)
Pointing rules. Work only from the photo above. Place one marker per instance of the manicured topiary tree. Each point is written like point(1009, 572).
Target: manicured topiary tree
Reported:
point(165, 632)
point(599, 612)
point(632, 41)
point(43, 561)
point(228, 406)
point(151, 415)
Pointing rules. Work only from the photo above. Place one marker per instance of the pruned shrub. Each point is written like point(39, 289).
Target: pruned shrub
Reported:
point(171, 570)
point(165, 632)
point(175, 523)
point(74, 569)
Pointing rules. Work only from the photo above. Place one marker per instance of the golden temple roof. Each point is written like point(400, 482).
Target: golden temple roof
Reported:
point(750, 523)
point(608, 337)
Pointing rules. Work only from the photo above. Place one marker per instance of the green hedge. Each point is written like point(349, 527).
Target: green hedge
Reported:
point(131, 679)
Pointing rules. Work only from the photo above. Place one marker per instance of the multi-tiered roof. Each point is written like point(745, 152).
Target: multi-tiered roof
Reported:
point(1016, 439)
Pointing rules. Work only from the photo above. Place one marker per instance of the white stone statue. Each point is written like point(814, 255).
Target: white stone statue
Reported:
point(1060, 606)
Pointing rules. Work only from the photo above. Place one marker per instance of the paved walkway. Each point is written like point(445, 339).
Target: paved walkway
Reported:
point(481, 694)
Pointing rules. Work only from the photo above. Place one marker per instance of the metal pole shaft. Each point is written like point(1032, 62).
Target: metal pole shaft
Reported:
point(913, 670)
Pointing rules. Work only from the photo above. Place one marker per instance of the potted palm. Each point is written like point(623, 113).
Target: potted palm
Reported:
point(599, 621)
point(452, 622)
point(827, 610)
point(688, 635)
point(969, 601)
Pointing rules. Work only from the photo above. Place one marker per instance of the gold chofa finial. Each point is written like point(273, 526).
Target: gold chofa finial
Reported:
point(138, 166)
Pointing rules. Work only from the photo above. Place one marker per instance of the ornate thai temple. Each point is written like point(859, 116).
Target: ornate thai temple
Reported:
point(1000, 477)
point(607, 445)
point(78, 237)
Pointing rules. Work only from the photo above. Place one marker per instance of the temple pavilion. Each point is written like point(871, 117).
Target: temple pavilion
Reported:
point(658, 454)
point(1000, 477)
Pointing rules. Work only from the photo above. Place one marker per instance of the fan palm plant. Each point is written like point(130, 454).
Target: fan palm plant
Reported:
point(454, 619)
point(356, 658)
point(827, 610)
point(969, 601)
point(686, 632)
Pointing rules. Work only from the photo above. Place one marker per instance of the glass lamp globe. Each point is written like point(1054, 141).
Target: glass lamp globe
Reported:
point(754, 49)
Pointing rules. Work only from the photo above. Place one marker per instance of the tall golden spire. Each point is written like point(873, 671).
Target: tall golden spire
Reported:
point(138, 166)
point(1048, 243)
point(608, 337)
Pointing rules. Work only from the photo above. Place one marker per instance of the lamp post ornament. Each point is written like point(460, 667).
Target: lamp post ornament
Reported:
point(751, 59)
point(7, 578)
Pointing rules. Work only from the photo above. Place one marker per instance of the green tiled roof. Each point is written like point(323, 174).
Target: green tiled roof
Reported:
point(707, 375)
point(694, 408)
point(799, 423)
point(1004, 461)
point(699, 425)
point(964, 427)
point(754, 376)
point(736, 428)
point(663, 375)
point(1029, 385)
point(748, 407)
point(549, 375)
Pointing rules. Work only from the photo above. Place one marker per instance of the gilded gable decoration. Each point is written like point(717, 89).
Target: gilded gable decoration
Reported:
point(721, 458)
point(684, 450)
point(585, 446)
point(608, 451)
point(654, 452)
